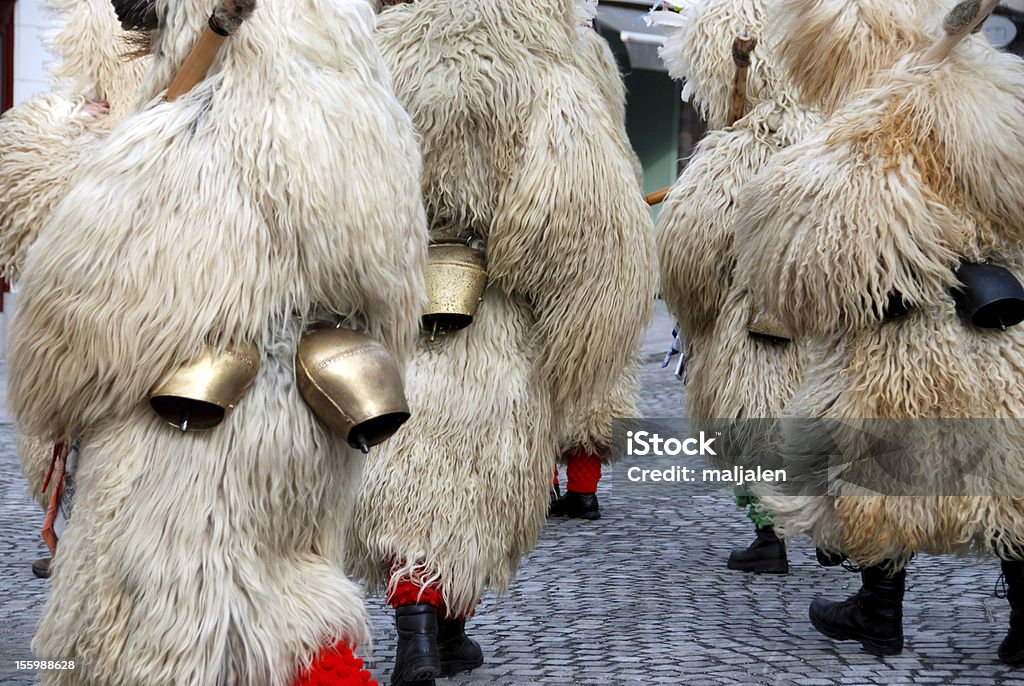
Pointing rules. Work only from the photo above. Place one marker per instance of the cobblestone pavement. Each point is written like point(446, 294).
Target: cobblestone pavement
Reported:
point(641, 596)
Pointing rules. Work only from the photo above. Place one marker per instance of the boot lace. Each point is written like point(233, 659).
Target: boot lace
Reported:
point(1000, 589)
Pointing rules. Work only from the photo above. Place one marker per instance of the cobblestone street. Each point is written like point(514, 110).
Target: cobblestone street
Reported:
point(641, 596)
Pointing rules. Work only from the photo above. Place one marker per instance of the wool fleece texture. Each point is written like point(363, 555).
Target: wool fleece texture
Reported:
point(45, 141)
point(911, 175)
point(520, 151)
point(283, 185)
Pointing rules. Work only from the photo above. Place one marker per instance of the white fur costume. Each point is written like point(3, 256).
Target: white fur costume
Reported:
point(283, 184)
point(520, 150)
point(44, 141)
point(730, 373)
point(910, 176)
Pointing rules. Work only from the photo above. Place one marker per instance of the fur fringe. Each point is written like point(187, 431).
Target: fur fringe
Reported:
point(572, 234)
point(831, 48)
point(96, 57)
point(698, 51)
point(43, 142)
point(458, 509)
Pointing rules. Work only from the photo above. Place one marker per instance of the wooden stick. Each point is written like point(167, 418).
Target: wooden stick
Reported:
point(742, 47)
point(224, 21)
point(657, 196)
point(961, 20)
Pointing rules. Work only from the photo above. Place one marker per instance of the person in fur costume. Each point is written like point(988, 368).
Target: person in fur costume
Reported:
point(521, 154)
point(916, 171)
point(281, 187)
point(583, 468)
point(732, 373)
point(45, 140)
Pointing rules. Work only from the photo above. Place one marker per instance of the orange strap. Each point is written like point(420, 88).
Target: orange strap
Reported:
point(58, 459)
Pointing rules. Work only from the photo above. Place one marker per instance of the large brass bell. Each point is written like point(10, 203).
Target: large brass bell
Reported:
point(765, 325)
point(991, 296)
point(352, 383)
point(199, 394)
point(456, 277)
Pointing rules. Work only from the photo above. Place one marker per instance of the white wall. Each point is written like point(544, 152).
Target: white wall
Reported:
point(30, 58)
point(30, 77)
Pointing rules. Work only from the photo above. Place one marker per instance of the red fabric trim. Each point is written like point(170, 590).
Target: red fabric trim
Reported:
point(554, 482)
point(583, 472)
point(409, 592)
point(336, 666)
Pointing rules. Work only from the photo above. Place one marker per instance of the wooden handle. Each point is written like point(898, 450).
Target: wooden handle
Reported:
point(742, 47)
point(197, 64)
point(225, 20)
point(657, 196)
point(961, 20)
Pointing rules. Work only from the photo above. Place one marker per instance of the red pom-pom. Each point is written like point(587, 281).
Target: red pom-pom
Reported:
point(336, 666)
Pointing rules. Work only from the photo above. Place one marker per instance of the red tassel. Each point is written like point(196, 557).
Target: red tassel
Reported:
point(336, 666)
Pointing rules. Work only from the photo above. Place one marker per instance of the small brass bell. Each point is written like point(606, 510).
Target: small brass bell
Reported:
point(991, 296)
point(765, 325)
point(456, 277)
point(352, 383)
point(198, 395)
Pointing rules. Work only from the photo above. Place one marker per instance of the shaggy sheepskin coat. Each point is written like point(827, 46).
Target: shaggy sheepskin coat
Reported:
point(916, 172)
point(283, 185)
point(44, 141)
point(521, 151)
point(731, 374)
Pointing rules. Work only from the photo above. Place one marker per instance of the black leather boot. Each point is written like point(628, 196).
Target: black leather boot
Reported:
point(459, 653)
point(417, 660)
point(828, 558)
point(577, 506)
point(873, 615)
point(1011, 650)
point(554, 495)
point(767, 554)
point(41, 568)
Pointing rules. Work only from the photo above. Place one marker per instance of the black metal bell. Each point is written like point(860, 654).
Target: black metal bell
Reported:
point(991, 297)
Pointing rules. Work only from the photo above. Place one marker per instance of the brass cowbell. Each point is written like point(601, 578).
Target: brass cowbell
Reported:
point(352, 383)
point(456, 278)
point(198, 395)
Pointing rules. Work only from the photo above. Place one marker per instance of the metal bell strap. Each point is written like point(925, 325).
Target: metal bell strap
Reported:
point(58, 464)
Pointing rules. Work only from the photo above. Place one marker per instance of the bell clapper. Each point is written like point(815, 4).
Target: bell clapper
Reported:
point(433, 333)
point(363, 447)
point(184, 420)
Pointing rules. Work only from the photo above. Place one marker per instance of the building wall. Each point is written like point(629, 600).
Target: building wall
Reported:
point(30, 57)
